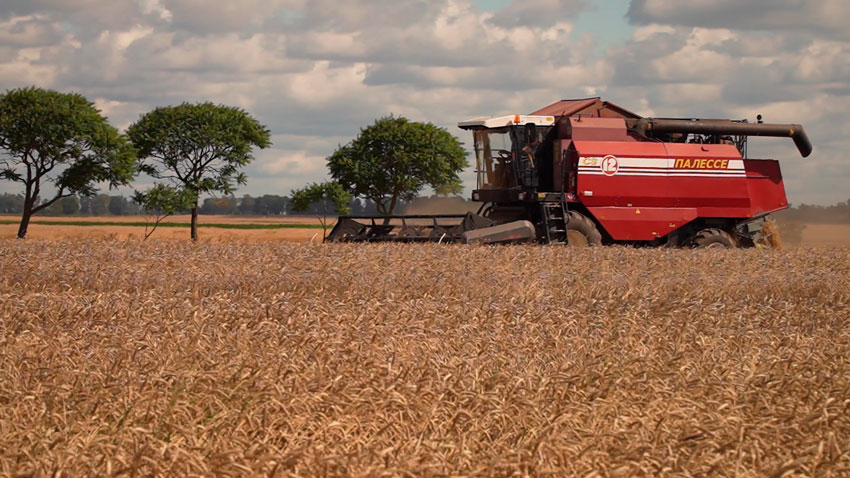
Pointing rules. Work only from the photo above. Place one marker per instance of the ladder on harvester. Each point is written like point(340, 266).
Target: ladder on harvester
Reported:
point(555, 218)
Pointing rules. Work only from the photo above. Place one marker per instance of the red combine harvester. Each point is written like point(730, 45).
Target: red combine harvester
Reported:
point(588, 172)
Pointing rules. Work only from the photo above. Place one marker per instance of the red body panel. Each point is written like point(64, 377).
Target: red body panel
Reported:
point(764, 181)
point(645, 190)
point(642, 223)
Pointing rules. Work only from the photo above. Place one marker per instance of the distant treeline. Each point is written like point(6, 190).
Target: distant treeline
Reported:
point(835, 214)
point(106, 205)
point(274, 205)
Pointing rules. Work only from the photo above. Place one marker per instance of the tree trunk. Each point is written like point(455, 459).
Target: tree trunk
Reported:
point(389, 210)
point(324, 220)
point(25, 220)
point(394, 199)
point(392, 203)
point(195, 222)
point(29, 203)
point(381, 208)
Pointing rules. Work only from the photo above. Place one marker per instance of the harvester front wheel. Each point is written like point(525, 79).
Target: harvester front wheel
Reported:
point(713, 238)
point(582, 232)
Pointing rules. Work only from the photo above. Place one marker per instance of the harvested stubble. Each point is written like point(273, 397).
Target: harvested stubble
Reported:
point(170, 358)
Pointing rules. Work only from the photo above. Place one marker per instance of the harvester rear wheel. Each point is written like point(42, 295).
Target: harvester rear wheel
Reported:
point(713, 238)
point(582, 232)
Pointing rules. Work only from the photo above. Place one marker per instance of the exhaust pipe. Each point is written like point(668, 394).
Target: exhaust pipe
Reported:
point(647, 126)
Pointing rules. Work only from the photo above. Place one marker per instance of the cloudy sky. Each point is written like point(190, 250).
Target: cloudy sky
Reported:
point(315, 71)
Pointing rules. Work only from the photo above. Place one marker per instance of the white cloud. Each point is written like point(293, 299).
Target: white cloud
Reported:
point(28, 31)
point(298, 163)
point(325, 84)
point(155, 7)
point(539, 13)
point(818, 17)
point(316, 71)
point(26, 68)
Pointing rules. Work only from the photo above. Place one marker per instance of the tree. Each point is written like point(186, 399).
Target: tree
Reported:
point(198, 147)
point(394, 159)
point(221, 206)
point(117, 205)
point(11, 203)
point(271, 204)
point(85, 206)
point(330, 197)
point(100, 205)
point(246, 205)
point(70, 205)
point(449, 189)
point(67, 206)
point(132, 208)
point(61, 138)
point(162, 201)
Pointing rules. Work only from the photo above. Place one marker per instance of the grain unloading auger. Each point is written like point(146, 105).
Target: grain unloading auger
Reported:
point(588, 172)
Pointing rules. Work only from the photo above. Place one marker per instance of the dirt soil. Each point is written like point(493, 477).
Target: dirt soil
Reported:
point(826, 235)
point(43, 231)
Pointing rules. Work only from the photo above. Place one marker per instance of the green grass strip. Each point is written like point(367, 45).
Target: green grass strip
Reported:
point(168, 224)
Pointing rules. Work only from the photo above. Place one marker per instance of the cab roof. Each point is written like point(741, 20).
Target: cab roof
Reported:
point(586, 106)
point(486, 122)
point(593, 107)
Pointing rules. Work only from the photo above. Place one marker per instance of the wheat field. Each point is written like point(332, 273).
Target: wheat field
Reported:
point(166, 358)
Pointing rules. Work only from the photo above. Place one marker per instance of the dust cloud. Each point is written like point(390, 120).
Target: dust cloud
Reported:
point(441, 205)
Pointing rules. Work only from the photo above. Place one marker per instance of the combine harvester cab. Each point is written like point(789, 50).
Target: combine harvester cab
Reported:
point(588, 172)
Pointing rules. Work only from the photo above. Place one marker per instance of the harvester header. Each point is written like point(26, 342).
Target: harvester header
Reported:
point(589, 172)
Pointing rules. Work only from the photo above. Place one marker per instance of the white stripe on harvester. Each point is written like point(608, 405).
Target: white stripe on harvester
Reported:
point(689, 175)
point(658, 162)
point(666, 170)
point(663, 167)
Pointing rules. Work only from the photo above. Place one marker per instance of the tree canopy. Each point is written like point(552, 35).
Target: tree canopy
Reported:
point(61, 138)
point(161, 201)
point(395, 158)
point(198, 147)
point(329, 196)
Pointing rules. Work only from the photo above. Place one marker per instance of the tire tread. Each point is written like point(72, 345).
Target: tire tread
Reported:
point(713, 235)
point(583, 224)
